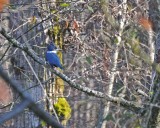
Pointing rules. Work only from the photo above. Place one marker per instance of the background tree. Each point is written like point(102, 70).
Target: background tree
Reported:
point(108, 46)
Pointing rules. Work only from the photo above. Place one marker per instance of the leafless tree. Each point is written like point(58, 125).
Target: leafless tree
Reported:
point(111, 62)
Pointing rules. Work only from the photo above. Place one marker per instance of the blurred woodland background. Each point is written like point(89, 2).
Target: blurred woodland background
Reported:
point(110, 54)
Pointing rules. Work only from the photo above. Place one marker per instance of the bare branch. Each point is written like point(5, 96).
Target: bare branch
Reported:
point(128, 104)
point(28, 101)
point(51, 105)
point(18, 109)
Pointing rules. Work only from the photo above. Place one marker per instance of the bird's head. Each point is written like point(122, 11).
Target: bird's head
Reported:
point(51, 47)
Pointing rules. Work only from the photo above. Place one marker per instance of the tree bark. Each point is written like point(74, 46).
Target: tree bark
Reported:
point(152, 118)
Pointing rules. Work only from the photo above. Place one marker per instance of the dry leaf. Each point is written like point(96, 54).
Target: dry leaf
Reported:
point(146, 23)
point(75, 26)
point(3, 3)
point(5, 93)
point(33, 20)
point(66, 24)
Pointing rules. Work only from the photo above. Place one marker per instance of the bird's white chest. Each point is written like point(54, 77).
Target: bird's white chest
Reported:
point(52, 51)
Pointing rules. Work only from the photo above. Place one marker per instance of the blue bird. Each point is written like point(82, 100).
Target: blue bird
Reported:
point(51, 56)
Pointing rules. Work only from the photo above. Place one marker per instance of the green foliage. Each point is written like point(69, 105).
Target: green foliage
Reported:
point(43, 123)
point(138, 127)
point(109, 17)
point(116, 41)
point(90, 8)
point(128, 115)
point(158, 68)
point(62, 108)
point(134, 42)
point(64, 4)
point(56, 29)
point(109, 117)
point(12, 6)
point(136, 47)
point(89, 59)
point(151, 93)
point(133, 34)
point(53, 11)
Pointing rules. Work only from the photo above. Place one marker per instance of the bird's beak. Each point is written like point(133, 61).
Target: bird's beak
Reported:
point(58, 49)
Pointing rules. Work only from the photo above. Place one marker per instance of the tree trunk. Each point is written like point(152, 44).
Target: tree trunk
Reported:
point(152, 118)
point(22, 72)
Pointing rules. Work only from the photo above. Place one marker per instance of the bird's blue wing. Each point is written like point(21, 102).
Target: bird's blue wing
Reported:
point(53, 60)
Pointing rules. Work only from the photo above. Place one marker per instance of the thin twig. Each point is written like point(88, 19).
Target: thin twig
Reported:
point(128, 104)
point(50, 104)
point(18, 109)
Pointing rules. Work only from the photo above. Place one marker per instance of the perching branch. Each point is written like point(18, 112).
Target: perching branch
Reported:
point(127, 104)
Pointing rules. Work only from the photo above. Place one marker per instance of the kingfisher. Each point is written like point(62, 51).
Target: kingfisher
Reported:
point(51, 56)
